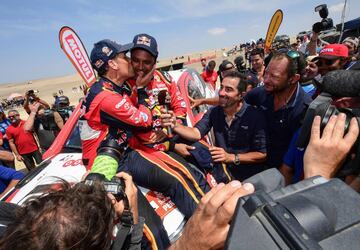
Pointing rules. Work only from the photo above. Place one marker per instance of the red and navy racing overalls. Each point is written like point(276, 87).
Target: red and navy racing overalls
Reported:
point(110, 114)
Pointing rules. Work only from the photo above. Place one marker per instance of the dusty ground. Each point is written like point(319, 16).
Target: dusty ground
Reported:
point(47, 87)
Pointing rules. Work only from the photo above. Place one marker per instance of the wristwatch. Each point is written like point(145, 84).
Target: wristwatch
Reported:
point(237, 160)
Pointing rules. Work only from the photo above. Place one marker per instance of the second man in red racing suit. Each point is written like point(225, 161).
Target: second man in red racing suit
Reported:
point(143, 59)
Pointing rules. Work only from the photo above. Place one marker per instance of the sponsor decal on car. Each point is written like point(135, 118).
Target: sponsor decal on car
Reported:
point(162, 204)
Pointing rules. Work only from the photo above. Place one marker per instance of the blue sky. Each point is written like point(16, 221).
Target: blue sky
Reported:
point(29, 29)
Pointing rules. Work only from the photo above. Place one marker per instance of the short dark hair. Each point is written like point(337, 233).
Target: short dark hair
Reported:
point(103, 70)
point(257, 51)
point(212, 63)
point(242, 85)
point(295, 66)
point(79, 217)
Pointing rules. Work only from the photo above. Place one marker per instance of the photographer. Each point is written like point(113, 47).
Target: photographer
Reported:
point(63, 108)
point(79, 217)
point(323, 157)
point(45, 122)
point(31, 97)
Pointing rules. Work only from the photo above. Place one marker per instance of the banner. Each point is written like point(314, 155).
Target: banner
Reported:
point(273, 28)
point(74, 49)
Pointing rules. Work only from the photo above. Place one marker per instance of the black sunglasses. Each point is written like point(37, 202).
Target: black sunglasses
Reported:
point(327, 62)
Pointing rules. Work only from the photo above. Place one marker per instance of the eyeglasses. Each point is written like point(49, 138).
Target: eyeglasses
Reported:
point(12, 116)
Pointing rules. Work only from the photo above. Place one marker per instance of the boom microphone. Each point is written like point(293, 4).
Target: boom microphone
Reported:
point(165, 100)
point(342, 83)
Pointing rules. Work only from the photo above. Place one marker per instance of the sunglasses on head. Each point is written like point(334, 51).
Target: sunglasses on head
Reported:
point(293, 55)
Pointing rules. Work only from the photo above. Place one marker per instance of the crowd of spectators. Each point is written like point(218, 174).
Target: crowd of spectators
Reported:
point(24, 140)
point(256, 119)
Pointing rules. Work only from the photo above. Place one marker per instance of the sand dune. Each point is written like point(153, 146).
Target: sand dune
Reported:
point(48, 86)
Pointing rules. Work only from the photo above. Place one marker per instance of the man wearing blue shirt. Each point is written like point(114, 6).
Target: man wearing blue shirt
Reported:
point(239, 129)
point(8, 177)
point(283, 102)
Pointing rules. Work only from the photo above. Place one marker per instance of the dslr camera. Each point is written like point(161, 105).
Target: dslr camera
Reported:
point(339, 83)
point(312, 214)
point(32, 96)
point(115, 187)
point(326, 23)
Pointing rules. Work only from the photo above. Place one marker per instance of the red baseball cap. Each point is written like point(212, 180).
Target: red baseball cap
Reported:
point(333, 51)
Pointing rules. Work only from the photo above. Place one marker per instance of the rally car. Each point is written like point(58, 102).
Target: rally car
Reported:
point(63, 160)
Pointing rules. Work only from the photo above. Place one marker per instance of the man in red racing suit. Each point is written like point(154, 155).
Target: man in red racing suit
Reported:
point(156, 142)
point(110, 115)
point(160, 82)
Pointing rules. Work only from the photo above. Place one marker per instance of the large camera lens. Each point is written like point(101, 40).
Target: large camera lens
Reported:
point(322, 107)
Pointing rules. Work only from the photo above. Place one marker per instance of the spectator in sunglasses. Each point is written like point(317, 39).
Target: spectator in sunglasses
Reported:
point(332, 57)
point(22, 142)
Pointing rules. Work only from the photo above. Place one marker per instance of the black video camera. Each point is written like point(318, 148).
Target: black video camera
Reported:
point(115, 187)
point(326, 23)
point(32, 96)
point(322, 106)
point(312, 214)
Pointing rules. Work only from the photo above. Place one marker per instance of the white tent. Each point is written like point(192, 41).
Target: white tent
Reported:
point(15, 96)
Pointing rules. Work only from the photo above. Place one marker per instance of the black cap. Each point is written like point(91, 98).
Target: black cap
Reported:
point(146, 42)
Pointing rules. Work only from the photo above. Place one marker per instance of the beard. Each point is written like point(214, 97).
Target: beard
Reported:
point(225, 102)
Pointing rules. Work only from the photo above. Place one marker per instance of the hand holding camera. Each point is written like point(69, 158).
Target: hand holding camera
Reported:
point(325, 154)
point(121, 191)
point(31, 96)
point(34, 107)
point(131, 194)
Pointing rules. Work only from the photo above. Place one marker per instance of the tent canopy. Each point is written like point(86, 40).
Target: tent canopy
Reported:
point(15, 96)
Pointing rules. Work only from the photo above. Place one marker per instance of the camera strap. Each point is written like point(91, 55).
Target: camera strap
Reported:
point(125, 227)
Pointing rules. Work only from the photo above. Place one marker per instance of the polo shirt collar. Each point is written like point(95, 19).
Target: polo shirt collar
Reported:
point(293, 100)
point(242, 110)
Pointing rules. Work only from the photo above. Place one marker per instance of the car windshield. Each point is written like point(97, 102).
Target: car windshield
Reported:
point(73, 144)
